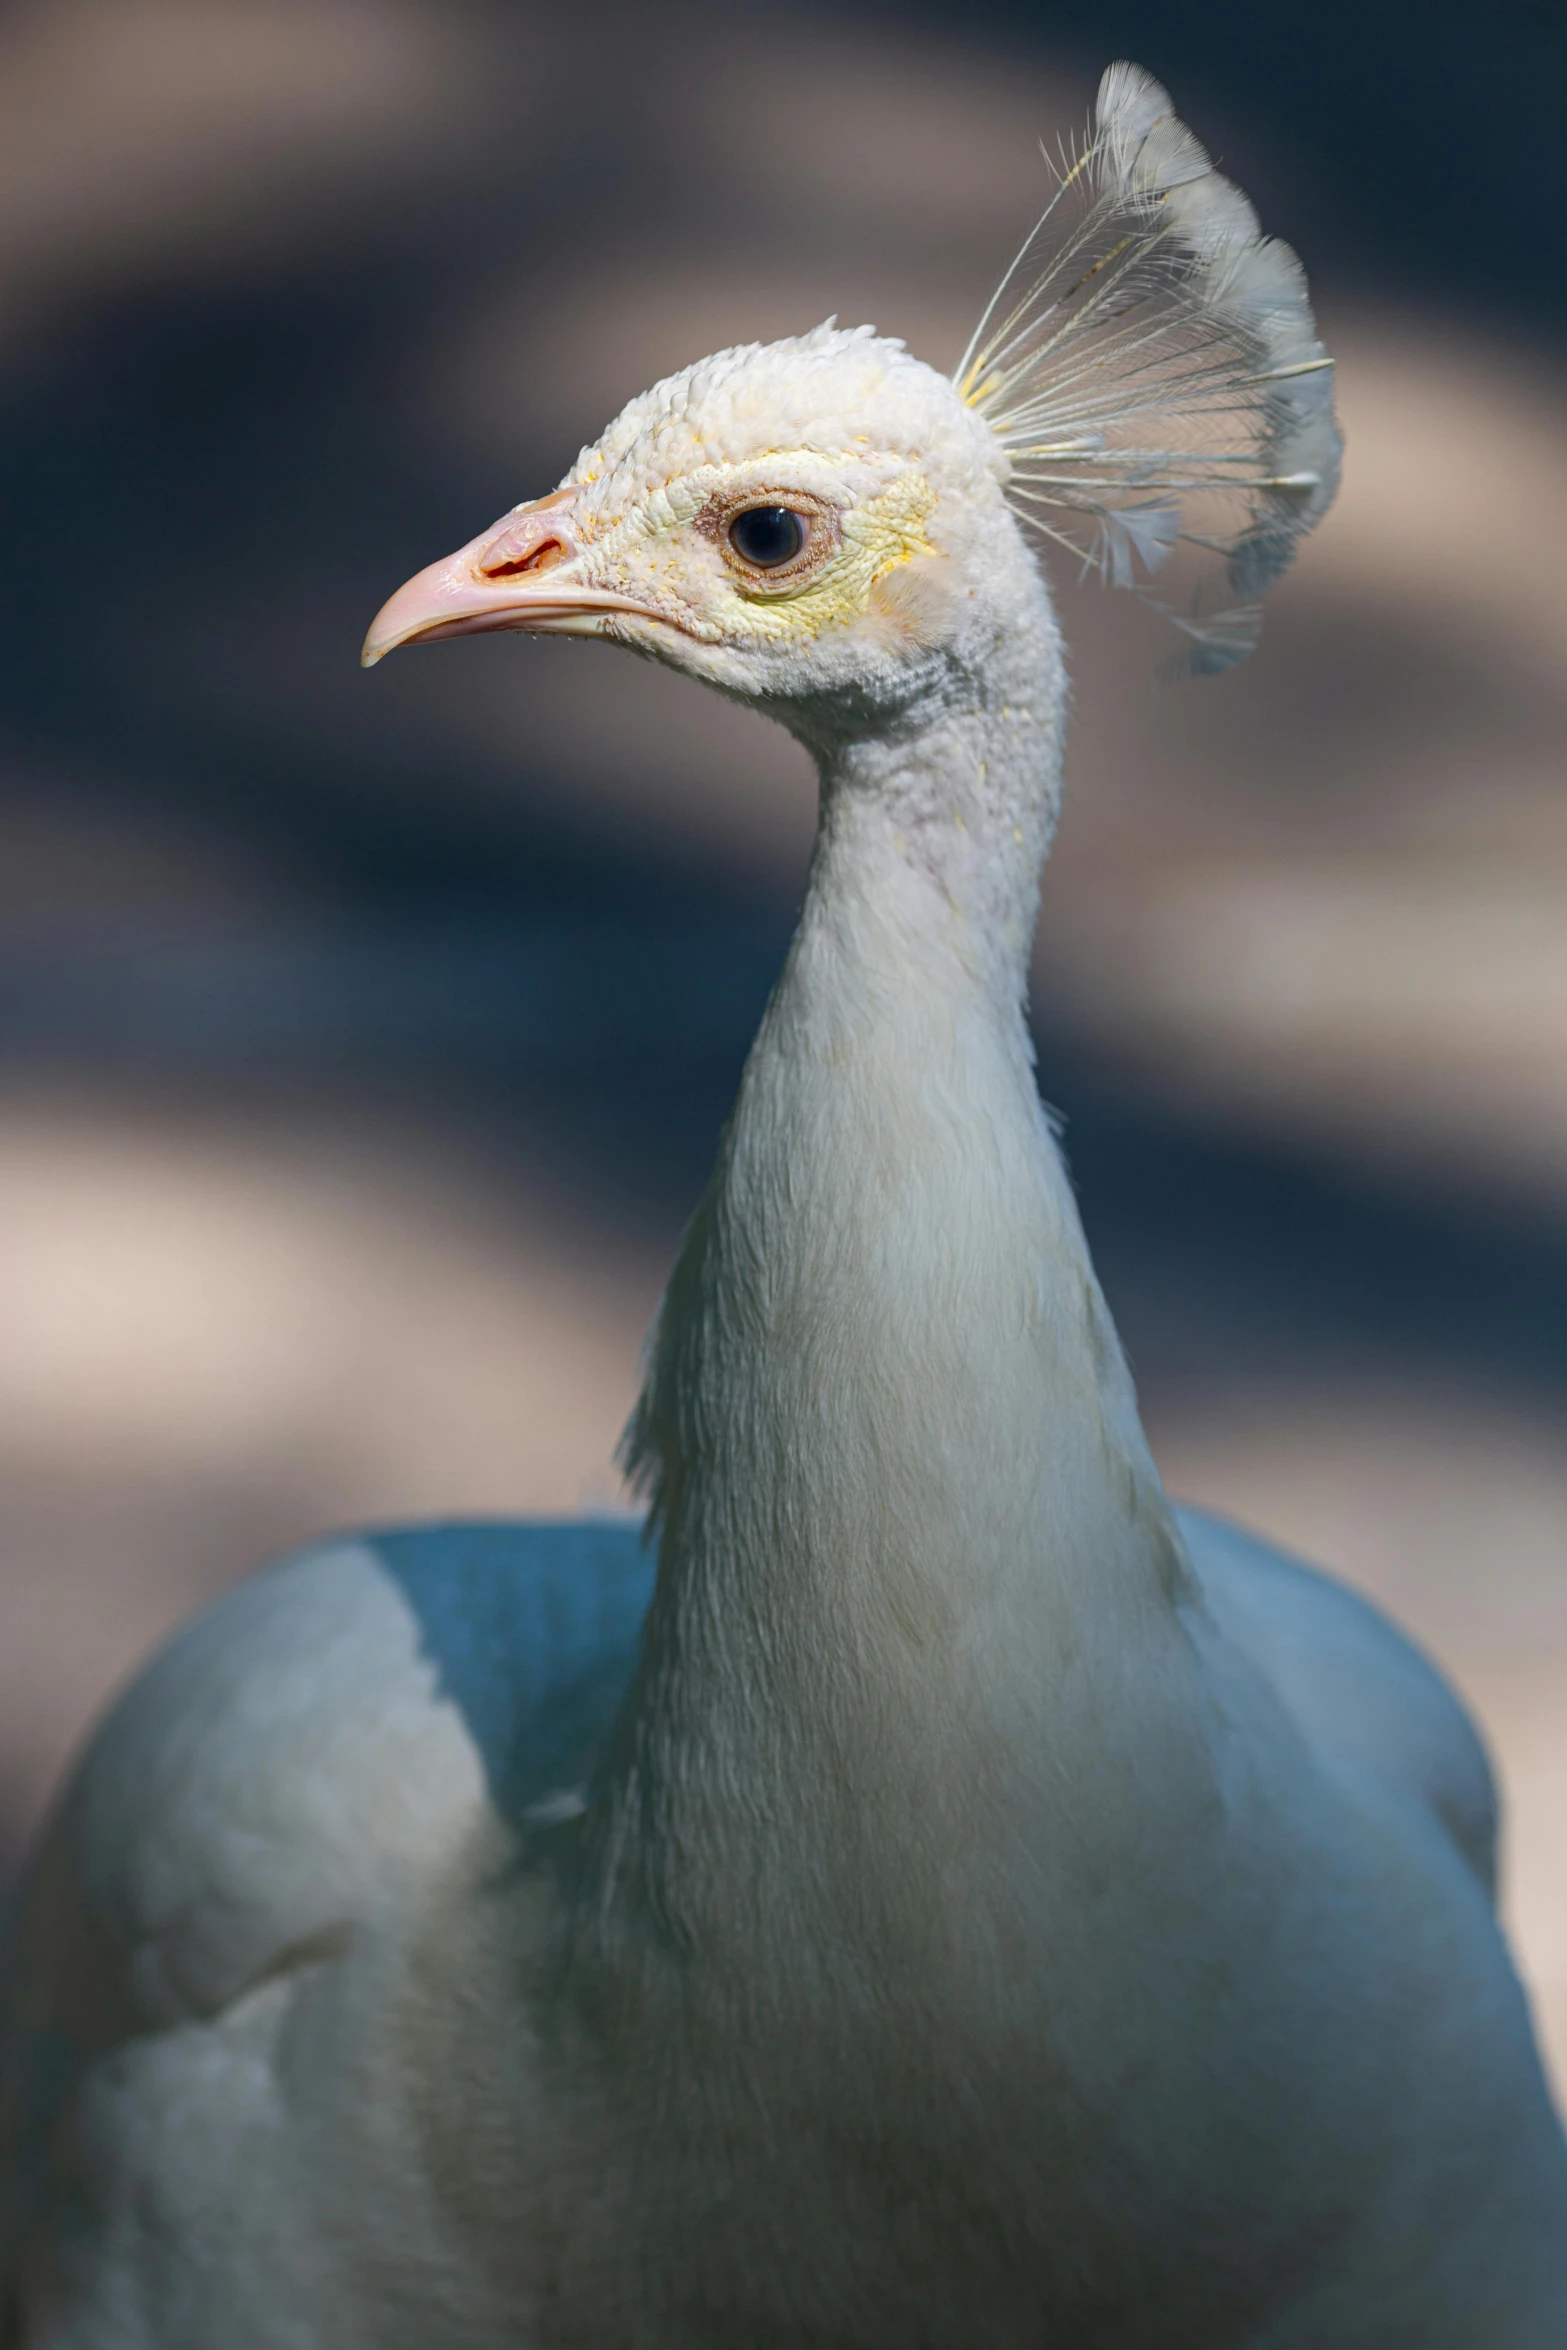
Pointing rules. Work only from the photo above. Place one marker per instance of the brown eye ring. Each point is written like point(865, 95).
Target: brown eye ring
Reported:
point(774, 540)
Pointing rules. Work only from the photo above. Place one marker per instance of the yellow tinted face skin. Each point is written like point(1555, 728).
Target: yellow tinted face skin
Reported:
point(876, 538)
point(672, 545)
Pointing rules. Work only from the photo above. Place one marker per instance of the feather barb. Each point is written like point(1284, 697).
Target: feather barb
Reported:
point(1151, 366)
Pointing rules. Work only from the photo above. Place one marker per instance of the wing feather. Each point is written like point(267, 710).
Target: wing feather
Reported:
point(287, 1772)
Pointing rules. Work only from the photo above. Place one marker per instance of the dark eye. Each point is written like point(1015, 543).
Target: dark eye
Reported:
point(768, 536)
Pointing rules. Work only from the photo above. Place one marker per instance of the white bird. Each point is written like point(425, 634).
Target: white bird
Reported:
point(963, 1902)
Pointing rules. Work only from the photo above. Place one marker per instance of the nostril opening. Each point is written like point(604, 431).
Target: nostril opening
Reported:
point(543, 557)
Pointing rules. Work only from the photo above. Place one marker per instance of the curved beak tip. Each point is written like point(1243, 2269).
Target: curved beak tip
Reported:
point(379, 642)
point(429, 601)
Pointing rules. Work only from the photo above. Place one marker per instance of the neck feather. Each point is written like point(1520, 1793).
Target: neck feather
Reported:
point(887, 1426)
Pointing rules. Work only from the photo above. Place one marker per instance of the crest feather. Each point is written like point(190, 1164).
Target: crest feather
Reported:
point(1151, 365)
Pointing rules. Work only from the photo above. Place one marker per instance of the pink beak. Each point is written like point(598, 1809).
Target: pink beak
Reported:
point(501, 579)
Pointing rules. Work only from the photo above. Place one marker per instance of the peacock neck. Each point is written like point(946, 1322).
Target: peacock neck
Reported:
point(899, 1478)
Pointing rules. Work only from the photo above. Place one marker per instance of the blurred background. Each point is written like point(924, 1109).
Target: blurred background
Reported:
point(364, 1040)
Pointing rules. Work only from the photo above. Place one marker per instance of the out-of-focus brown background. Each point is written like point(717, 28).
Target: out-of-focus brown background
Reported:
point(363, 1040)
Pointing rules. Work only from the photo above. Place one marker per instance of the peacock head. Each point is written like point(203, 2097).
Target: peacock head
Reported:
point(828, 519)
point(787, 521)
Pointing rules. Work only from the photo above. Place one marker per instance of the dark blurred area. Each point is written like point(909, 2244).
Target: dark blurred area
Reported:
point(363, 1041)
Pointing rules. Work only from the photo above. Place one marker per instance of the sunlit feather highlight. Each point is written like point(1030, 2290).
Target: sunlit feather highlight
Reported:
point(1151, 365)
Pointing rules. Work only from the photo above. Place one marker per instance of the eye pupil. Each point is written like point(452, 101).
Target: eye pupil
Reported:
point(767, 535)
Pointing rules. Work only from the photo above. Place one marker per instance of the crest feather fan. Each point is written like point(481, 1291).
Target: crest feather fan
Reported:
point(1151, 365)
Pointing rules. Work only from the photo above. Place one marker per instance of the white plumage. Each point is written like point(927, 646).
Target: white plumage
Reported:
point(1150, 364)
point(965, 1902)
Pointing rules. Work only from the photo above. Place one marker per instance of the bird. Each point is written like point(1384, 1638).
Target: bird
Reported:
point(908, 1885)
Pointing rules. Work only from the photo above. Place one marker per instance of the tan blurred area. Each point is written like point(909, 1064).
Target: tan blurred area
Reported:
point(319, 1203)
